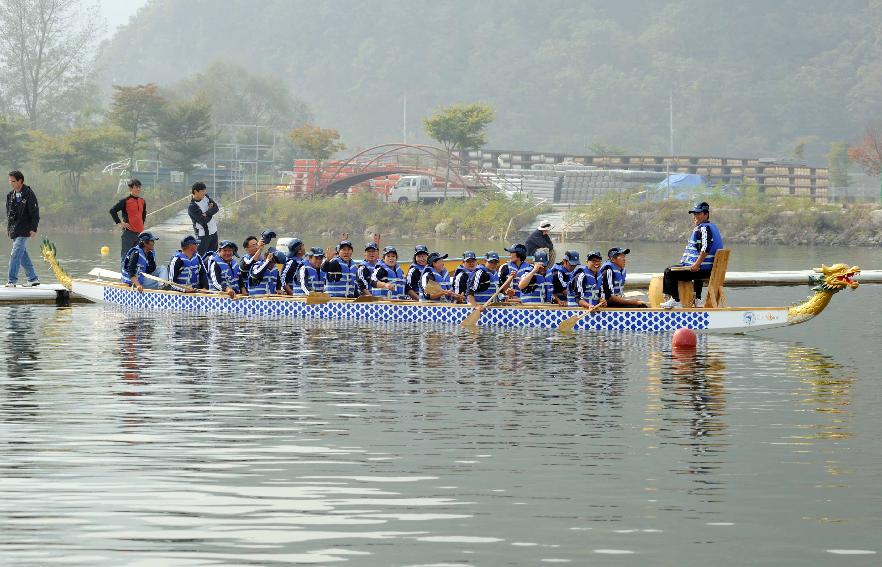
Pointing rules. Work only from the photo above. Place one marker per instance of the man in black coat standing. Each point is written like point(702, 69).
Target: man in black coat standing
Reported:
point(539, 239)
point(22, 218)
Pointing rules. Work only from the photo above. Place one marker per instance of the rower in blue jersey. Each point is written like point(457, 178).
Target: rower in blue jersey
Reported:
point(253, 252)
point(415, 271)
point(560, 274)
point(223, 272)
point(387, 280)
point(698, 256)
point(293, 262)
point(341, 272)
point(311, 278)
point(436, 272)
point(532, 280)
point(583, 290)
point(484, 282)
point(366, 268)
point(612, 279)
point(517, 260)
point(264, 276)
point(459, 282)
point(140, 260)
point(185, 266)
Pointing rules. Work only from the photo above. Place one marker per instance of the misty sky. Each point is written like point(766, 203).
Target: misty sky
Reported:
point(117, 12)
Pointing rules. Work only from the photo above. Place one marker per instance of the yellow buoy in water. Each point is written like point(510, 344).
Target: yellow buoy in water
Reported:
point(105, 250)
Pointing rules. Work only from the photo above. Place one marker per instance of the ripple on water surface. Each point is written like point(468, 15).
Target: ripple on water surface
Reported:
point(211, 440)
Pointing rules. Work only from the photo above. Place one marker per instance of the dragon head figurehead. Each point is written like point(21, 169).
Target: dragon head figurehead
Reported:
point(835, 278)
point(49, 252)
point(828, 280)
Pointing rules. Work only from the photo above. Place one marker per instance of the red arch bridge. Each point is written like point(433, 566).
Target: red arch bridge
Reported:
point(384, 164)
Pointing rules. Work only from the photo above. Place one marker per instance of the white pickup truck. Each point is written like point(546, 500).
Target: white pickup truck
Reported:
point(419, 188)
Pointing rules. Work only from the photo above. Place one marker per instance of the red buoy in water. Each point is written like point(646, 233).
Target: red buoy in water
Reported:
point(684, 338)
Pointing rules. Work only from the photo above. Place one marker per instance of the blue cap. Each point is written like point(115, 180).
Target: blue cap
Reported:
point(228, 244)
point(519, 248)
point(595, 254)
point(540, 257)
point(188, 240)
point(435, 256)
point(389, 249)
point(420, 249)
point(294, 245)
point(469, 255)
point(267, 235)
point(344, 243)
point(315, 251)
point(613, 252)
point(279, 257)
point(701, 207)
point(146, 237)
point(571, 256)
point(491, 256)
point(371, 246)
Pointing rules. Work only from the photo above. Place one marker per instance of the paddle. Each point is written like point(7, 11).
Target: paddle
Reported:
point(472, 318)
point(317, 298)
point(367, 299)
point(568, 325)
point(102, 273)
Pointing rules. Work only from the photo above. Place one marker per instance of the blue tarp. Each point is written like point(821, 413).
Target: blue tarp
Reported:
point(680, 181)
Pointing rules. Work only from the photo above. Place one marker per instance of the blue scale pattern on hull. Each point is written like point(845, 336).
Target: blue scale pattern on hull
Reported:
point(632, 321)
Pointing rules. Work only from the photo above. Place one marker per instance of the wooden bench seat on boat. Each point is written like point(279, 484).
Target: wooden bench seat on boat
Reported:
point(715, 295)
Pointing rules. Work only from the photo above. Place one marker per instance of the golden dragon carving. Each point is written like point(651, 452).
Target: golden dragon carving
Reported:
point(830, 280)
point(48, 252)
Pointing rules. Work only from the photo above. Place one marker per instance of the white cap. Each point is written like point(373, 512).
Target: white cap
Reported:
point(545, 225)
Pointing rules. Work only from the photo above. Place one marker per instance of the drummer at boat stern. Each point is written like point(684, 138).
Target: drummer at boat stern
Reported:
point(698, 257)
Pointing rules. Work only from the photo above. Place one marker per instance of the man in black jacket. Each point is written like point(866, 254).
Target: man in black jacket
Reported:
point(539, 239)
point(202, 211)
point(22, 218)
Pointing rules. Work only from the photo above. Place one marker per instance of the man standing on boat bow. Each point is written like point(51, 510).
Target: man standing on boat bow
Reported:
point(698, 257)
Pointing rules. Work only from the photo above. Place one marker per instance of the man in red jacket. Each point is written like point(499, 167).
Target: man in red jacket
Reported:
point(134, 212)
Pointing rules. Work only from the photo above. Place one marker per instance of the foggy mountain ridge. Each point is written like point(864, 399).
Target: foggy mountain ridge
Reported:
point(748, 79)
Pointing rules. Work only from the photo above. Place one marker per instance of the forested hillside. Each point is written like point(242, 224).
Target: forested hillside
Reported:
point(754, 77)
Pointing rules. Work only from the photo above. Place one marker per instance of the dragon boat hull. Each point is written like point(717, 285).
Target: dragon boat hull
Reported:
point(722, 320)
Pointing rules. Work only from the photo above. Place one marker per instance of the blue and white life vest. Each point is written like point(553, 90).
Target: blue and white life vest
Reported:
point(289, 271)
point(440, 278)
point(310, 279)
point(143, 261)
point(206, 259)
point(394, 275)
point(693, 247)
point(618, 283)
point(268, 281)
point(507, 269)
point(363, 271)
point(343, 283)
point(463, 274)
point(552, 275)
point(409, 278)
point(483, 296)
point(539, 288)
point(583, 285)
point(189, 272)
point(229, 274)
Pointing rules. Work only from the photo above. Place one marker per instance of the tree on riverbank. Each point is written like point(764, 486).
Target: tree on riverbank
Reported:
point(76, 151)
point(868, 153)
point(459, 127)
point(317, 143)
point(44, 46)
point(136, 110)
point(185, 135)
point(13, 142)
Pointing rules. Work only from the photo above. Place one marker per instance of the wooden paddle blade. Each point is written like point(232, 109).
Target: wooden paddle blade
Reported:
point(567, 325)
point(472, 318)
point(317, 298)
point(433, 288)
point(367, 299)
point(656, 292)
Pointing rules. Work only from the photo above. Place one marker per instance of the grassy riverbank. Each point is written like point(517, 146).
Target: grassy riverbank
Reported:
point(483, 216)
point(752, 218)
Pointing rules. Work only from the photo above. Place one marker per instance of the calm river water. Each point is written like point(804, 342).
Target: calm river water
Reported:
point(158, 439)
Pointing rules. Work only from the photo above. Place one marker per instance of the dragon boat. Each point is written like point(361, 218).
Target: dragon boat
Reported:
point(828, 281)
